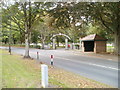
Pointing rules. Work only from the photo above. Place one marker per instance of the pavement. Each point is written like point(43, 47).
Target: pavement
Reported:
point(93, 66)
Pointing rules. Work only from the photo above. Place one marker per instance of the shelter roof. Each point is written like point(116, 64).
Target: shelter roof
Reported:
point(93, 37)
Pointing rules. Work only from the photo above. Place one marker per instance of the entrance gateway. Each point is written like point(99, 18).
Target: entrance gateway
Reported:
point(54, 40)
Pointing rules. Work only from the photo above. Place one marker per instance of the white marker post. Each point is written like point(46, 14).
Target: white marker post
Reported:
point(44, 74)
point(37, 55)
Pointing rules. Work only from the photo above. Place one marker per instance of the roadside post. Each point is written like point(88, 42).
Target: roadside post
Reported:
point(44, 75)
point(37, 55)
point(51, 62)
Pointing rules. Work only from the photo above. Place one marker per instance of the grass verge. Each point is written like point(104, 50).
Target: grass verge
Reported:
point(23, 73)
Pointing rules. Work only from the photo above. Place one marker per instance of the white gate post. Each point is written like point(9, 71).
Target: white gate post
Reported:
point(66, 43)
point(54, 44)
point(44, 75)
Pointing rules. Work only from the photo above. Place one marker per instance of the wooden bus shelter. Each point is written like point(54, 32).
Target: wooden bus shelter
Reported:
point(93, 43)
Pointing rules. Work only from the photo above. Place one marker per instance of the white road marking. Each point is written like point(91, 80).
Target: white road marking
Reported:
point(103, 66)
point(109, 59)
point(89, 63)
point(92, 64)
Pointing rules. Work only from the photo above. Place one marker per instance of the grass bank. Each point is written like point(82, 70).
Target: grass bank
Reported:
point(23, 73)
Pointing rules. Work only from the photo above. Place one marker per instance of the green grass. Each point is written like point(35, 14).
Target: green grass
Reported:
point(14, 45)
point(21, 73)
point(61, 47)
point(17, 73)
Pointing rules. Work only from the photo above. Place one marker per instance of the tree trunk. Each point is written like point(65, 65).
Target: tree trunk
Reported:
point(43, 43)
point(22, 37)
point(27, 46)
point(57, 39)
point(14, 41)
point(117, 42)
point(6, 41)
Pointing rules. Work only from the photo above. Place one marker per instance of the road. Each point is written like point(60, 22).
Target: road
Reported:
point(99, 69)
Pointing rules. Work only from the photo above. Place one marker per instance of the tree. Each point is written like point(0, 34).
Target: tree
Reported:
point(12, 19)
point(23, 16)
point(43, 29)
point(108, 15)
point(32, 13)
point(35, 36)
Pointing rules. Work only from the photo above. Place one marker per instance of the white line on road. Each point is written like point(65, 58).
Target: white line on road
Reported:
point(88, 63)
point(103, 66)
point(92, 64)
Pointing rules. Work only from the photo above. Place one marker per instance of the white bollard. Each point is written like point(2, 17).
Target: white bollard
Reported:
point(44, 74)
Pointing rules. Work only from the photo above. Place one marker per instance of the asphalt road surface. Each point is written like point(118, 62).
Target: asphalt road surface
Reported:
point(99, 69)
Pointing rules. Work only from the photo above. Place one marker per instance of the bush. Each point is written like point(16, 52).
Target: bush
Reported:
point(77, 46)
point(31, 46)
point(35, 46)
point(21, 45)
point(38, 46)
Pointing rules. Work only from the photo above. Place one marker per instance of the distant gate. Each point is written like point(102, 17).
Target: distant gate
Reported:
point(60, 34)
